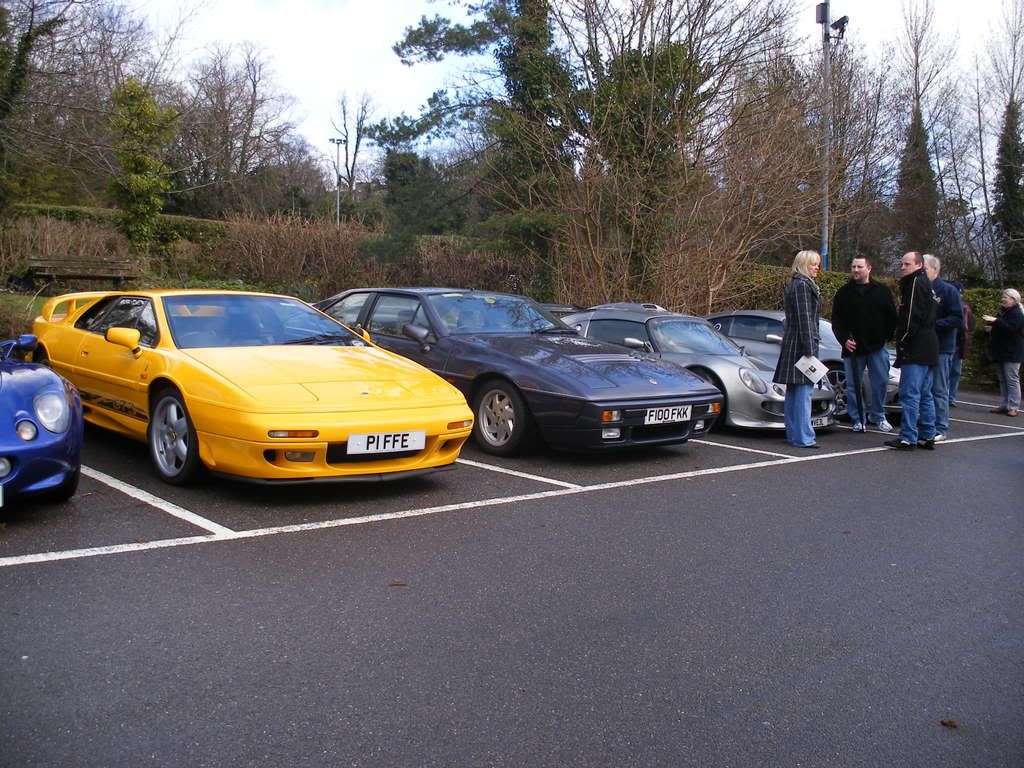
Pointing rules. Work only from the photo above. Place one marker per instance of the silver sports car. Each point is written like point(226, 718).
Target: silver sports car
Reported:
point(751, 398)
point(759, 332)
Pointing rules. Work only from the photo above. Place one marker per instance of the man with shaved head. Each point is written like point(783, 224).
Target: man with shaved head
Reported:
point(917, 353)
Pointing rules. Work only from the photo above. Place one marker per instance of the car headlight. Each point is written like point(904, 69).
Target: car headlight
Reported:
point(752, 381)
point(53, 411)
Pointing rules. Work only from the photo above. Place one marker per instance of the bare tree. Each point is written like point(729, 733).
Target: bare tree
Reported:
point(61, 128)
point(351, 127)
point(233, 123)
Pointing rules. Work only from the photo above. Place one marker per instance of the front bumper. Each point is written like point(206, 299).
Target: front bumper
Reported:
point(47, 463)
point(242, 448)
point(591, 432)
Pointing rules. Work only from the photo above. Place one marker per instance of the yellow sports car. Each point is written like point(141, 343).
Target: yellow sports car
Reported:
point(250, 385)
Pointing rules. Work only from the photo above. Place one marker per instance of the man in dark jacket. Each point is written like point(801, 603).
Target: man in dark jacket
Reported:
point(917, 353)
point(949, 318)
point(863, 320)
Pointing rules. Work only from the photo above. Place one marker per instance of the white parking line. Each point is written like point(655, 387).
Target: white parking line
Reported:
point(514, 473)
point(155, 501)
point(986, 424)
point(740, 448)
point(229, 535)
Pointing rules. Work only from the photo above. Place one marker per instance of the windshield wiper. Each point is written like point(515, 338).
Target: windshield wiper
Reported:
point(321, 338)
point(556, 329)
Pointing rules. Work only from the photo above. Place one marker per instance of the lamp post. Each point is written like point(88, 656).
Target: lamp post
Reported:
point(823, 17)
point(337, 180)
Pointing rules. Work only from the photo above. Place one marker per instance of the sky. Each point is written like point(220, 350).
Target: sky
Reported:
point(320, 48)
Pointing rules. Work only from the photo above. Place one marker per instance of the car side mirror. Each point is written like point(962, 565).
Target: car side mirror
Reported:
point(419, 334)
point(634, 343)
point(774, 338)
point(125, 337)
point(26, 343)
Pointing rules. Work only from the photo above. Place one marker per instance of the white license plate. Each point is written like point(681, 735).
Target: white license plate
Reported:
point(387, 442)
point(667, 415)
point(820, 421)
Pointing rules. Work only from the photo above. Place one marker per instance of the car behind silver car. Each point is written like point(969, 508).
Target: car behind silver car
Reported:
point(752, 399)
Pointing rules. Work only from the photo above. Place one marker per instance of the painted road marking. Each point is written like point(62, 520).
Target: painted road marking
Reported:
point(740, 448)
point(514, 473)
point(229, 535)
point(987, 424)
point(155, 501)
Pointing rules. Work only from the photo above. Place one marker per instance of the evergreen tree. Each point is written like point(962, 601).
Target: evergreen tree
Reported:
point(15, 49)
point(1008, 212)
point(142, 130)
point(917, 196)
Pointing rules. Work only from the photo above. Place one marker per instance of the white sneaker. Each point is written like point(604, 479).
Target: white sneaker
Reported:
point(939, 437)
point(857, 427)
point(884, 426)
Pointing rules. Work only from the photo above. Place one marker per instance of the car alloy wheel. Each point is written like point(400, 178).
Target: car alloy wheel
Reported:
point(502, 419)
point(837, 380)
point(172, 439)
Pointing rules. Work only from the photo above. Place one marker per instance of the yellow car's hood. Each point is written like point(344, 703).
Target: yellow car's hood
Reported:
point(334, 377)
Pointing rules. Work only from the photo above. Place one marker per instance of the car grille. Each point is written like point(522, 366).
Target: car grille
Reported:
point(660, 431)
point(337, 454)
point(818, 407)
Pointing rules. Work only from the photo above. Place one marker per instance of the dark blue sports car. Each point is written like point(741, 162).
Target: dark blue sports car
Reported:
point(527, 374)
point(40, 428)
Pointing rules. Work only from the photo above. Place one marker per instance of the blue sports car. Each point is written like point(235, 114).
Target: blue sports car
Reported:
point(526, 374)
point(40, 428)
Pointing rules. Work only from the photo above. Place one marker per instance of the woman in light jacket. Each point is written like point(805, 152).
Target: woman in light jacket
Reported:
point(1006, 348)
point(800, 336)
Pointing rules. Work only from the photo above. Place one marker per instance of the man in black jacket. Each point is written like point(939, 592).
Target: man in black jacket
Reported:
point(863, 320)
point(917, 354)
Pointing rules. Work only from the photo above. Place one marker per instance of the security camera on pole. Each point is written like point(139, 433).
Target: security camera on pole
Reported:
point(822, 15)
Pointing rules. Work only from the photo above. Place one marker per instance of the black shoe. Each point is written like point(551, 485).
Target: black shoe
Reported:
point(899, 445)
point(928, 445)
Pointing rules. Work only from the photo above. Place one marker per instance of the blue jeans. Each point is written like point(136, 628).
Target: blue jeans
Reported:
point(940, 392)
point(877, 363)
point(918, 405)
point(955, 370)
point(796, 413)
point(1009, 384)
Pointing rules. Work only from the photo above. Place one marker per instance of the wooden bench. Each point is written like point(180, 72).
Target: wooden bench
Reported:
point(82, 268)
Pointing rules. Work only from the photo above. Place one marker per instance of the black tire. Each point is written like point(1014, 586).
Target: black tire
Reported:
point(40, 356)
point(837, 380)
point(503, 425)
point(173, 446)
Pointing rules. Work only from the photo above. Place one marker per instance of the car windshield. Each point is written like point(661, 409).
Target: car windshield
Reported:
point(691, 336)
point(241, 320)
point(470, 313)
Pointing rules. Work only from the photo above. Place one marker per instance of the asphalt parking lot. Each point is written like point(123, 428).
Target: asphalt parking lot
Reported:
point(731, 602)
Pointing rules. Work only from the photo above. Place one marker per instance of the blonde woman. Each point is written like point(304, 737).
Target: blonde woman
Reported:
point(800, 336)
